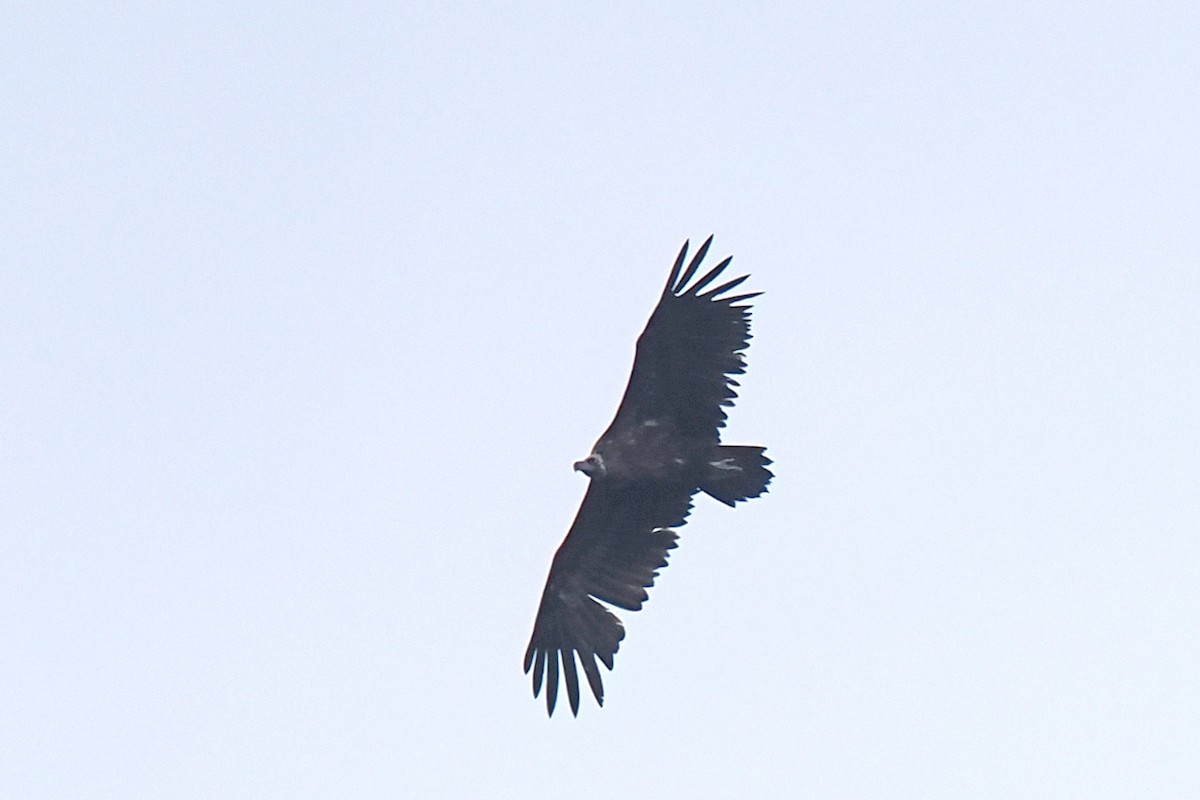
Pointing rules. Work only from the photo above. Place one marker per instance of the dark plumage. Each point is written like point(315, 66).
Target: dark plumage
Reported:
point(662, 448)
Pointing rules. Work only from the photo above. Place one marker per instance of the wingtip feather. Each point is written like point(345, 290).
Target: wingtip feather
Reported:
point(551, 683)
point(693, 265)
point(571, 678)
point(588, 660)
point(670, 287)
point(739, 298)
point(724, 287)
point(709, 278)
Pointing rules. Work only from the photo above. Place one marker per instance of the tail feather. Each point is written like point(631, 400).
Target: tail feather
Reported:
point(737, 473)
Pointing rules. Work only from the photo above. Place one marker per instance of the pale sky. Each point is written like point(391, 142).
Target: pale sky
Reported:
point(307, 313)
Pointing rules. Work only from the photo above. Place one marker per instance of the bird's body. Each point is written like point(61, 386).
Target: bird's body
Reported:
point(662, 447)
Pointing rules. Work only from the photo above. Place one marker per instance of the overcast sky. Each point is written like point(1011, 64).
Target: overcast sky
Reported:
point(305, 314)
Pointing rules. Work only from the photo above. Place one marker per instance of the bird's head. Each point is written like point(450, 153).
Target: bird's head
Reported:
point(591, 466)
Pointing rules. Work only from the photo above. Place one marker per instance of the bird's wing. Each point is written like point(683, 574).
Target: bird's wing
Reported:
point(614, 550)
point(691, 347)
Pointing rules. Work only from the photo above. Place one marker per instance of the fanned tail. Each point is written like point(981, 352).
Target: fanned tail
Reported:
point(736, 473)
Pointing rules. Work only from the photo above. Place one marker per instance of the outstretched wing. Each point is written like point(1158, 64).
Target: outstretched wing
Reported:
point(613, 552)
point(691, 346)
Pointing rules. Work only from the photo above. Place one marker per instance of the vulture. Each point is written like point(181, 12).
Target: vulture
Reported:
point(662, 448)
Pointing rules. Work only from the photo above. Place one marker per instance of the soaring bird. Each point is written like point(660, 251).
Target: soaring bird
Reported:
point(662, 447)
